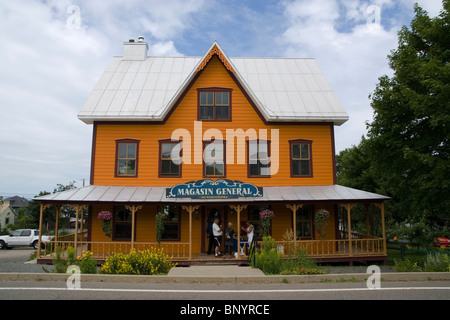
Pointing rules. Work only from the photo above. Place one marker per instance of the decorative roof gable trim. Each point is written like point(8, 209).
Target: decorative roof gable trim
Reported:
point(215, 51)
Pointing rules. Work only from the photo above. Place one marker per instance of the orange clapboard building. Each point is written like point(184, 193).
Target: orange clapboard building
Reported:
point(199, 138)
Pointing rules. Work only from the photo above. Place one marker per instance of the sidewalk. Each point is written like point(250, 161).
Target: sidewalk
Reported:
point(215, 271)
point(227, 274)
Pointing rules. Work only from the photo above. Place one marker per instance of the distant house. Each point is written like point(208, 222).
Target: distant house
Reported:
point(7, 213)
point(18, 202)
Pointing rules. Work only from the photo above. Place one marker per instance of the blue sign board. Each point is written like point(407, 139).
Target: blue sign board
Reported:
point(209, 189)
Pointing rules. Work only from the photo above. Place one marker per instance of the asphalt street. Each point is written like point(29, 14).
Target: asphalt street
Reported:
point(426, 290)
point(15, 261)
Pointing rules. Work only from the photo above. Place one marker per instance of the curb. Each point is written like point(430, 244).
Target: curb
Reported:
point(290, 279)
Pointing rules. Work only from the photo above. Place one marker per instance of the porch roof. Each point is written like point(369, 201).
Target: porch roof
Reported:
point(95, 194)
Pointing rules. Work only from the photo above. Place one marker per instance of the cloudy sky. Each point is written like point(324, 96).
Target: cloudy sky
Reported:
point(53, 52)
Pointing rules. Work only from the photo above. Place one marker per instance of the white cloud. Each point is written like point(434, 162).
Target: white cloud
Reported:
point(352, 60)
point(48, 70)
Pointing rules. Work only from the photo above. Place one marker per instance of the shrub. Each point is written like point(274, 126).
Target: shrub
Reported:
point(436, 262)
point(269, 260)
point(145, 262)
point(86, 263)
point(406, 265)
point(272, 262)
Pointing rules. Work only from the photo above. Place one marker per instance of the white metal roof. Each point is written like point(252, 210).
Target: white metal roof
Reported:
point(283, 89)
point(152, 195)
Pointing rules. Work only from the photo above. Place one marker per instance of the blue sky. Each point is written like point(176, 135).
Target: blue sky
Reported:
point(50, 61)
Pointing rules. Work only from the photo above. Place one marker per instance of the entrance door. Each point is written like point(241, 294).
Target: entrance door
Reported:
point(209, 213)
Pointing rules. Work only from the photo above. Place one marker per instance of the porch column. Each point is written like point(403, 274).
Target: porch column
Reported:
point(383, 226)
point(190, 210)
point(58, 211)
point(238, 208)
point(41, 213)
point(367, 219)
point(349, 207)
point(77, 208)
point(133, 210)
point(82, 223)
point(294, 208)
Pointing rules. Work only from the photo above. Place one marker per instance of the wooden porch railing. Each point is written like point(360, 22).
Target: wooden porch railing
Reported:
point(101, 250)
point(180, 250)
point(333, 248)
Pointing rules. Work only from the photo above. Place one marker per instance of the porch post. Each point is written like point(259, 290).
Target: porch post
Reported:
point(238, 209)
point(77, 210)
point(41, 213)
point(383, 226)
point(81, 223)
point(190, 210)
point(294, 208)
point(367, 219)
point(58, 210)
point(133, 210)
point(349, 207)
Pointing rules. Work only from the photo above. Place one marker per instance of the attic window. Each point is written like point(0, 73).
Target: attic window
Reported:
point(214, 104)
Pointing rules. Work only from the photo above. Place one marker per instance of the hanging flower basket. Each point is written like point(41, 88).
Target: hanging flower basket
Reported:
point(265, 217)
point(106, 217)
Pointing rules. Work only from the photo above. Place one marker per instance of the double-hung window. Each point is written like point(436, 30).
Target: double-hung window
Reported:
point(214, 159)
point(304, 222)
point(171, 223)
point(214, 104)
point(258, 158)
point(300, 152)
point(127, 157)
point(170, 158)
point(121, 223)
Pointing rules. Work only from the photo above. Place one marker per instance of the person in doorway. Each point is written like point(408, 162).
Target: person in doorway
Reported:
point(249, 229)
point(229, 236)
point(209, 232)
point(217, 232)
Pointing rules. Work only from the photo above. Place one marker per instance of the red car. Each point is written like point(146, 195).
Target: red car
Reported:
point(441, 241)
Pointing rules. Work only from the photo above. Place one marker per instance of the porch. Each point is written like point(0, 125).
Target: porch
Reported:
point(360, 248)
point(341, 244)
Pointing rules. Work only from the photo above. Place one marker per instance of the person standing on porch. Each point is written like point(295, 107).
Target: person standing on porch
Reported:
point(250, 232)
point(217, 232)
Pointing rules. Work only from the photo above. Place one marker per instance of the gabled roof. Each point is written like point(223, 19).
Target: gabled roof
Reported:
point(17, 202)
point(282, 89)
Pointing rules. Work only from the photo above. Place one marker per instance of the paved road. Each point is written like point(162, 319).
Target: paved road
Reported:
point(439, 290)
point(14, 260)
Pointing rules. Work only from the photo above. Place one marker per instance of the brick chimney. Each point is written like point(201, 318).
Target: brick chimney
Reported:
point(133, 50)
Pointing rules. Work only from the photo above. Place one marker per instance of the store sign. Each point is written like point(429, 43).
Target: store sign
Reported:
point(209, 189)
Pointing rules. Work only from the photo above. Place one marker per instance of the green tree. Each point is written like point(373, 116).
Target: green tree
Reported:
point(410, 133)
point(24, 220)
point(406, 154)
